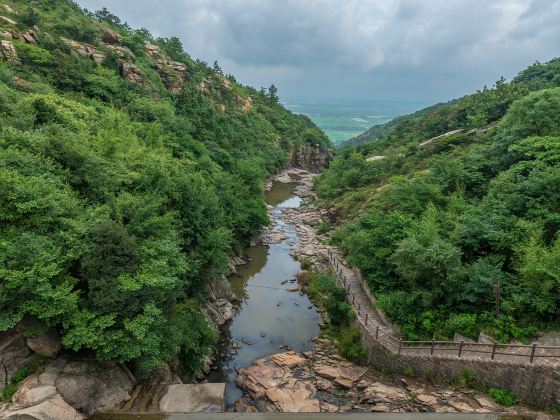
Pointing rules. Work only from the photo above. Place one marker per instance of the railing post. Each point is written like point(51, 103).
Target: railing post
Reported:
point(366, 317)
point(460, 348)
point(353, 299)
point(377, 332)
point(533, 352)
point(400, 345)
point(432, 348)
point(494, 350)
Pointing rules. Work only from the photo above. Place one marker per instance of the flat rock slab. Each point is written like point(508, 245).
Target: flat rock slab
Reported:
point(193, 398)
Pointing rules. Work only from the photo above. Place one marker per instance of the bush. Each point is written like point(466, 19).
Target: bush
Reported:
point(305, 264)
point(503, 396)
point(319, 285)
point(339, 311)
point(350, 345)
point(323, 227)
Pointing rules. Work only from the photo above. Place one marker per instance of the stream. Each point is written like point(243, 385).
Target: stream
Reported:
point(269, 317)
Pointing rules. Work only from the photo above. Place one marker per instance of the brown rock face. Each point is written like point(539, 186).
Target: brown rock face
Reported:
point(173, 74)
point(131, 73)
point(111, 37)
point(84, 50)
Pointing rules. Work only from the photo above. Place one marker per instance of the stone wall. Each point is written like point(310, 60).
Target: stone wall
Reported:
point(539, 384)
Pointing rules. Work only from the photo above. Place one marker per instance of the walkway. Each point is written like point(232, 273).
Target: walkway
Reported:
point(373, 321)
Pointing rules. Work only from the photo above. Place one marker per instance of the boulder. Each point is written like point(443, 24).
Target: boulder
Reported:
point(47, 344)
point(30, 37)
point(219, 288)
point(50, 409)
point(91, 386)
point(111, 37)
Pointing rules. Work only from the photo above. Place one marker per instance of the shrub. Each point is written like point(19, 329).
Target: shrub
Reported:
point(306, 264)
point(503, 396)
point(323, 227)
point(350, 345)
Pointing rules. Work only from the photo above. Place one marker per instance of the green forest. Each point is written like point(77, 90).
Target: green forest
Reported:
point(128, 177)
point(453, 213)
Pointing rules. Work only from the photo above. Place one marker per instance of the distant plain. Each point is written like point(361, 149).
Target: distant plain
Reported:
point(343, 120)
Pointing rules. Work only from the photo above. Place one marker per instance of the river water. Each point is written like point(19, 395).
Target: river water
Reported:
point(269, 317)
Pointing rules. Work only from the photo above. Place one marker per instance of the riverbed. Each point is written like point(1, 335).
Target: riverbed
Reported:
point(270, 318)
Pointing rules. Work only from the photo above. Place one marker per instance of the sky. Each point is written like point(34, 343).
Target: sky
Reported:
point(356, 50)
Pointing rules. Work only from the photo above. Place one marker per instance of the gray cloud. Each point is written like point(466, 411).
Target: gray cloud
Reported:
point(357, 49)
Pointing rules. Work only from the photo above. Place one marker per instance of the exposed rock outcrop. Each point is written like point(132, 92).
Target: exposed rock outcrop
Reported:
point(131, 73)
point(84, 50)
point(111, 37)
point(310, 157)
point(30, 37)
point(70, 390)
point(219, 307)
point(322, 381)
point(8, 52)
point(173, 73)
point(121, 52)
point(52, 408)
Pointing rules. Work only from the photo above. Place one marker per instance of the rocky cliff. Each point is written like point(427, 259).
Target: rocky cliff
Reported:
point(310, 157)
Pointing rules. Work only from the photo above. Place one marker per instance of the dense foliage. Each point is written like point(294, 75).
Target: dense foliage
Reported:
point(324, 291)
point(439, 224)
point(118, 201)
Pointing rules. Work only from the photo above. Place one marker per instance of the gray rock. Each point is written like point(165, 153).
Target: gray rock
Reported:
point(91, 386)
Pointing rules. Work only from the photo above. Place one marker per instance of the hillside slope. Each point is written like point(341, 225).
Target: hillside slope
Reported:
point(447, 208)
point(129, 174)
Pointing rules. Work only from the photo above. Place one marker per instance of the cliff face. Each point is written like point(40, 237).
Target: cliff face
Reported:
point(310, 157)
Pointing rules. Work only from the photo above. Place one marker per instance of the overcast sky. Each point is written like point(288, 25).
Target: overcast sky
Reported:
point(348, 50)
